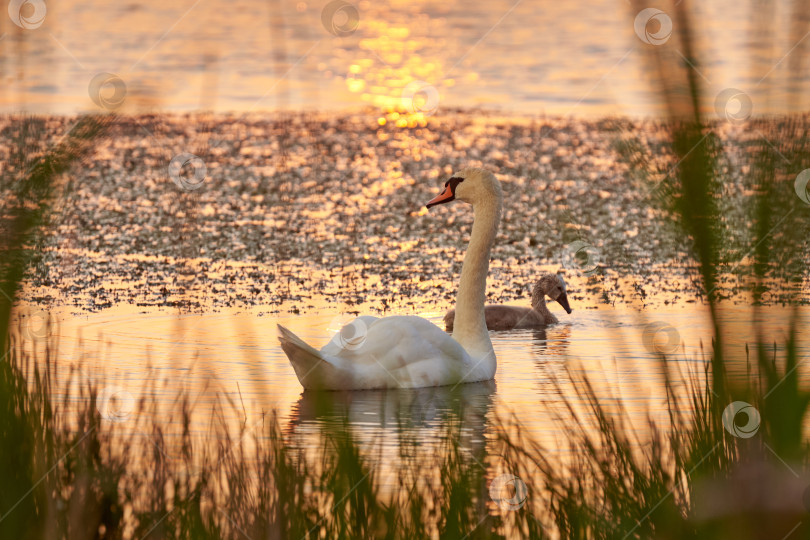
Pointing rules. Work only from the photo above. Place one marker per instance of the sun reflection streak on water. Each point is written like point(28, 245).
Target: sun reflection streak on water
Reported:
point(567, 58)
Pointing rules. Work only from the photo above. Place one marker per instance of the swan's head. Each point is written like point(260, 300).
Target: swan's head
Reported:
point(469, 185)
point(553, 286)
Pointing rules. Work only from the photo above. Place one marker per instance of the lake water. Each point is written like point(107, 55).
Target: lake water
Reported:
point(159, 357)
point(568, 58)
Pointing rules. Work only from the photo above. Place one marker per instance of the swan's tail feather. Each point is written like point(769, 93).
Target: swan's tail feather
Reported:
point(311, 367)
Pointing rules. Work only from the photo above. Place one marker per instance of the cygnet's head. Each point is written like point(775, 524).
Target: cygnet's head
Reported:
point(553, 286)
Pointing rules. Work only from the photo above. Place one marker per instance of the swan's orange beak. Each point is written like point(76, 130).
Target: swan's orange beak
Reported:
point(444, 197)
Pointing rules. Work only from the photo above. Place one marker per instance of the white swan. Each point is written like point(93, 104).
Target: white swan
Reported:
point(409, 351)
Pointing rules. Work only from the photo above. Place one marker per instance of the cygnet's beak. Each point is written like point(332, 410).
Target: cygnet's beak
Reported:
point(563, 301)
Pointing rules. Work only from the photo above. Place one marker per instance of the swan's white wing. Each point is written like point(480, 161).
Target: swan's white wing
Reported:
point(399, 351)
point(392, 352)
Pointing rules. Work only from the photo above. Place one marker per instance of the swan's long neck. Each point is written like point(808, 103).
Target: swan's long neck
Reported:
point(470, 327)
point(539, 305)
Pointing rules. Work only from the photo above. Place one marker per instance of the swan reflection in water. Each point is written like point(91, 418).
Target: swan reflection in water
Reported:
point(380, 421)
point(550, 346)
point(546, 348)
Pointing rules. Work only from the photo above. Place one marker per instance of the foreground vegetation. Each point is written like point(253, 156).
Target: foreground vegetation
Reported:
point(72, 469)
